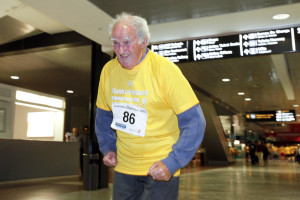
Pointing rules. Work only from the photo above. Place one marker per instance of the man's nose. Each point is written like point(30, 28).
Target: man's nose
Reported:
point(122, 49)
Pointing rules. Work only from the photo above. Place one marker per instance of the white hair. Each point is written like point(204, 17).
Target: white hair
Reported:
point(139, 23)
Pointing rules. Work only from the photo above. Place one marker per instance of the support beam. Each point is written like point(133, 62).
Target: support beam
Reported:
point(281, 67)
point(43, 42)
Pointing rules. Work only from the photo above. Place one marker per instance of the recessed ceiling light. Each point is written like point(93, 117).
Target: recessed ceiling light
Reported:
point(241, 93)
point(14, 77)
point(225, 79)
point(281, 16)
point(247, 99)
point(70, 91)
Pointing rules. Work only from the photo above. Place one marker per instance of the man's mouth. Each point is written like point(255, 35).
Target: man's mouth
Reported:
point(124, 55)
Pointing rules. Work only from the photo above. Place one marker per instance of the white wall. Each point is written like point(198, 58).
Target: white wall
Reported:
point(6, 114)
point(7, 111)
point(21, 124)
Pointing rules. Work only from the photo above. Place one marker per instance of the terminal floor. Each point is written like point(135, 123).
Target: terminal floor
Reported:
point(280, 180)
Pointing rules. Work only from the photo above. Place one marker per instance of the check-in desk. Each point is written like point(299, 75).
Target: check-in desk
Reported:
point(26, 159)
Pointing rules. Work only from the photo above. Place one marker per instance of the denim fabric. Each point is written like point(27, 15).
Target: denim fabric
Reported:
point(129, 187)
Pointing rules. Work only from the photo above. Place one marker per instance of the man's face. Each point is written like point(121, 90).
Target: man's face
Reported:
point(75, 131)
point(126, 45)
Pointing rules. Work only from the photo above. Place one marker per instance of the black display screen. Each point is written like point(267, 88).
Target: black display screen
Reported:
point(239, 45)
point(215, 48)
point(175, 51)
point(297, 38)
point(271, 116)
point(267, 42)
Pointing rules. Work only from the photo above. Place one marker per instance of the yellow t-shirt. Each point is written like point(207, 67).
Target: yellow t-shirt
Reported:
point(159, 91)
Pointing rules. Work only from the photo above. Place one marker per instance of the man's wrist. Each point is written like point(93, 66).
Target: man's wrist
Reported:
point(171, 164)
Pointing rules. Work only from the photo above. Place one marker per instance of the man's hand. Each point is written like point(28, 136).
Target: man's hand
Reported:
point(110, 159)
point(159, 172)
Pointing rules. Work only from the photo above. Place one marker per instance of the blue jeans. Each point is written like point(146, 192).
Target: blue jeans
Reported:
point(130, 187)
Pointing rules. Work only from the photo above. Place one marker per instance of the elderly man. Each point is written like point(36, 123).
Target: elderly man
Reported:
point(149, 123)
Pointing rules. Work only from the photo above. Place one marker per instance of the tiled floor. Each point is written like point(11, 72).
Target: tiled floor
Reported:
point(280, 180)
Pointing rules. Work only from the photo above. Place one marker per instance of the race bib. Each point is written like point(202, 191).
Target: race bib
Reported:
point(129, 118)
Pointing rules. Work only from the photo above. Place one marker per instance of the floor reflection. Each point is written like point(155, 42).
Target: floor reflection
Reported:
point(277, 181)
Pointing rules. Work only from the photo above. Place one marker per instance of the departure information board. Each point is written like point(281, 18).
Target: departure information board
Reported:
point(271, 116)
point(175, 51)
point(240, 45)
point(214, 48)
point(267, 42)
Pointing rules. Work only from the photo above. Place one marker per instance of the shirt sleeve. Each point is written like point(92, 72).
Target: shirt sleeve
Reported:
point(192, 126)
point(106, 136)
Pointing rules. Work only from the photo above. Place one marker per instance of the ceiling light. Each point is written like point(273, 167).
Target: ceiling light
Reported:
point(14, 77)
point(296, 105)
point(280, 16)
point(39, 99)
point(247, 99)
point(225, 79)
point(241, 93)
point(70, 91)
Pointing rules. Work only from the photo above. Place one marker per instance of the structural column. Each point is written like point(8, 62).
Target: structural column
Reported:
point(98, 60)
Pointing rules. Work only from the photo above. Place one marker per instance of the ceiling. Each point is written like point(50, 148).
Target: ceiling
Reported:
point(54, 71)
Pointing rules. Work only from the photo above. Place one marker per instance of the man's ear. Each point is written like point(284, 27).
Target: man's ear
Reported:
point(145, 42)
